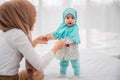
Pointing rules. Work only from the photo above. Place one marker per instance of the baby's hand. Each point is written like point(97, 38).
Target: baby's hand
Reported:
point(47, 36)
point(41, 40)
point(44, 38)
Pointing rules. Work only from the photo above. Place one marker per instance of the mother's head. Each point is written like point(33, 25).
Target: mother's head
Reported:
point(18, 14)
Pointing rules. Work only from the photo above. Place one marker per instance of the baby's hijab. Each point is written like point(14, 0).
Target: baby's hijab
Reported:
point(67, 32)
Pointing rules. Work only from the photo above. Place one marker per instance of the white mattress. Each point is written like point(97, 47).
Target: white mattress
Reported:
point(94, 65)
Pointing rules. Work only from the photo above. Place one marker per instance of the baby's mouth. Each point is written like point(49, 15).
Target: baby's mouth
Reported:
point(69, 23)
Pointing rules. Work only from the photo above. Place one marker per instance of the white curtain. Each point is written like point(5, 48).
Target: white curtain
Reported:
point(99, 21)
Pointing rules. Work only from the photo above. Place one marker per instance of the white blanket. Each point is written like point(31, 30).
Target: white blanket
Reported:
point(93, 66)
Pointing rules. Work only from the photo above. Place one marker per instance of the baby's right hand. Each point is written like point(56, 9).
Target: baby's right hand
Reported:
point(48, 36)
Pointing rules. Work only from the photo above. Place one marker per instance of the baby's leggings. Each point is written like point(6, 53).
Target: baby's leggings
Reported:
point(75, 65)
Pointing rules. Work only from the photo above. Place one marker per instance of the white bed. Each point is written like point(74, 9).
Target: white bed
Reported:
point(94, 65)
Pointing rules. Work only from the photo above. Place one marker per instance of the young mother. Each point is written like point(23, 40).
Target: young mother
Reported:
point(17, 18)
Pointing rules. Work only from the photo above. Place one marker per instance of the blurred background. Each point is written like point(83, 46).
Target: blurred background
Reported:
point(99, 21)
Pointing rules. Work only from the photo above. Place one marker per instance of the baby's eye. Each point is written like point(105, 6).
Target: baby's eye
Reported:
point(67, 18)
point(72, 17)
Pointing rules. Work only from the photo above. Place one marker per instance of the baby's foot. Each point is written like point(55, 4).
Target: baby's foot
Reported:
point(75, 78)
point(61, 76)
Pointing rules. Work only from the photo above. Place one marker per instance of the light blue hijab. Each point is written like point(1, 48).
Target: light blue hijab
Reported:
point(67, 32)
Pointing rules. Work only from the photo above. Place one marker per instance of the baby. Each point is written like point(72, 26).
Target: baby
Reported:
point(69, 32)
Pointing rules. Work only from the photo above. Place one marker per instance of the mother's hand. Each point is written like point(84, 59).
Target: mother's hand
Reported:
point(59, 45)
point(40, 40)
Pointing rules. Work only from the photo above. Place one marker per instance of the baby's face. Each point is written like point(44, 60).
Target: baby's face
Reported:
point(69, 20)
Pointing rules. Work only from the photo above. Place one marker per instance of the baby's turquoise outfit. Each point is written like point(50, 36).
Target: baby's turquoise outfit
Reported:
point(70, 53)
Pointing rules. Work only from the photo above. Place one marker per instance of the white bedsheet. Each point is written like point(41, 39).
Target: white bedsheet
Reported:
point(94, 65)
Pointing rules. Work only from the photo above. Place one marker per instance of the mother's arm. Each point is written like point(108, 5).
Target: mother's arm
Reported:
point(24, 46)
point(41, 40)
